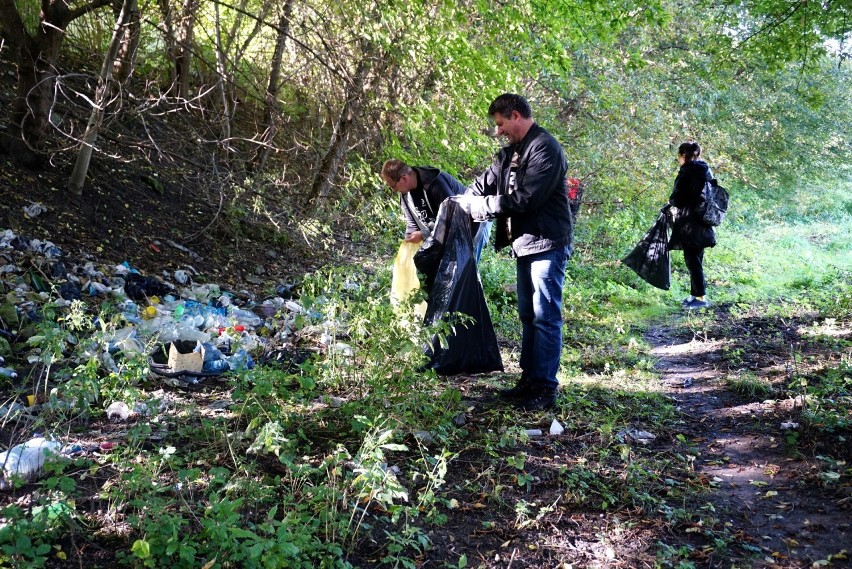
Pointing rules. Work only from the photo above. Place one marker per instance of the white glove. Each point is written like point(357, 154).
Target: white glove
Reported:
point(469, 204)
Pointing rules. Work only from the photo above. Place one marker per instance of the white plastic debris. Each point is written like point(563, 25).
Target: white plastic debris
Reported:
point(635, 435)
point(788, 425)
point(294, 306)
point(34, 210)
point(533, 432)
point(118, 411)
point(26, 459)
point(556, 428)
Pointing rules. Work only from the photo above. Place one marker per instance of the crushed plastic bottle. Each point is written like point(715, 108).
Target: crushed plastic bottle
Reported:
point(245, 317)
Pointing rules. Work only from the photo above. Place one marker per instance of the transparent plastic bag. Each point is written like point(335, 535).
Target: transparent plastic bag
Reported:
point(27, 459)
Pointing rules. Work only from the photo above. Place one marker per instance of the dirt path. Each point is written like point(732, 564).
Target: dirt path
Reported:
point(767, 496)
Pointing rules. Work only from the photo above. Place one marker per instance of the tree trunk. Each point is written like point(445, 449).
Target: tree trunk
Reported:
point(183, 59)
point(326, 173)
point(129, 43)
point(29, 124)
point(35, 56)
point(223, 91)
point(81, 167)
point(178, 35)
point(271, 98)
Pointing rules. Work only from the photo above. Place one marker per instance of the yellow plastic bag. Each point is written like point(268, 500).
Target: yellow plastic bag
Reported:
point(404, 281)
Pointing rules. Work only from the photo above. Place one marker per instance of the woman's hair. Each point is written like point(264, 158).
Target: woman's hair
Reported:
point(690, 150)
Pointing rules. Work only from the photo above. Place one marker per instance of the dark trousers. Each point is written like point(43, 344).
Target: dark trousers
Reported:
point(694, 259)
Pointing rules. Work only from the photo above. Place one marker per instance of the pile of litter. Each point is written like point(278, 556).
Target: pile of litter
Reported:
point(187, 332)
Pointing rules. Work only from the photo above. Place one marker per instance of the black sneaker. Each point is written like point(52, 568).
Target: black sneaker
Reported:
point(539, 399)
point(695, 304)
point(521, 390)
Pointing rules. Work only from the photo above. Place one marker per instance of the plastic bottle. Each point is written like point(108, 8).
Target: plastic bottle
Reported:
point(217, 366)
point(192, 334)
point(131, 312)
point(178, 311)
point(245, 317)
point(240, 360)
point(8, 372)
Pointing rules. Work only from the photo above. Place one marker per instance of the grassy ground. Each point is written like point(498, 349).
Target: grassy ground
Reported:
point(326, 458)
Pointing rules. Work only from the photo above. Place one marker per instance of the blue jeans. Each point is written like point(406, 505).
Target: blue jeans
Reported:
point(480, 240)
point(540, 280)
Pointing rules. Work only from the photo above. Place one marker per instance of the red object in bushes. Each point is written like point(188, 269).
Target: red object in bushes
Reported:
point(572, 187)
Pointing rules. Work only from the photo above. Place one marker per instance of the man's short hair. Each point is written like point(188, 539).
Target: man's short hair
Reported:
point(508, 102)
point(394, 169)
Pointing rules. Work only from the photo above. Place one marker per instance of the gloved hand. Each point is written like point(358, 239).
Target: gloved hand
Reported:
point(465, 202)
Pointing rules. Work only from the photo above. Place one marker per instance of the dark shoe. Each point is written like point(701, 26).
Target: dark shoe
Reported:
point(695, 304)
point(539, 399)
point(521, 390)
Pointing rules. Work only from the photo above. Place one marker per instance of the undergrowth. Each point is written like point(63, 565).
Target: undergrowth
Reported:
point(350, 458)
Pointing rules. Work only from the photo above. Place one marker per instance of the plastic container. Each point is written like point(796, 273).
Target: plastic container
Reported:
point(8, 372)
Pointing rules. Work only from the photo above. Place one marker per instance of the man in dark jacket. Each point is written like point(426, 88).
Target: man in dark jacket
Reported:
point(421, 189)
point(524, 189)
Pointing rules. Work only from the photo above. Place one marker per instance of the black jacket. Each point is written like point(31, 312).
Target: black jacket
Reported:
point(533, 217)
point(433, 187)
point(688, 230)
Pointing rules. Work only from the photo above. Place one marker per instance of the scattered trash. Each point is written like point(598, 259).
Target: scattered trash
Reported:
point(11, 411)
point(789, 425)
point(192, 362)
point(424, 437)
point(26, 459)
point(34, 210)
point(533, 432)
point(556, 428)
point(118, 411)
point(636, 436)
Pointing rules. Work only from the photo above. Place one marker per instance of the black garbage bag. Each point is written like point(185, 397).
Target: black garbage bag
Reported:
point(137, 287)
point(650, 257)
point(427, 259)
point(472, 347)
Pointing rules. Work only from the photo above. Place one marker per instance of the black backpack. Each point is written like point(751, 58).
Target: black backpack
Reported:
point(714, 203)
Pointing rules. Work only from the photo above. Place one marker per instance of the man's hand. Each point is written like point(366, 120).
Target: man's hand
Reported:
point(415, 237)
point(465, 202)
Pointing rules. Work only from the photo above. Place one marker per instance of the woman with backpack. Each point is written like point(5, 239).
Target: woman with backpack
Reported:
point(689, 232)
